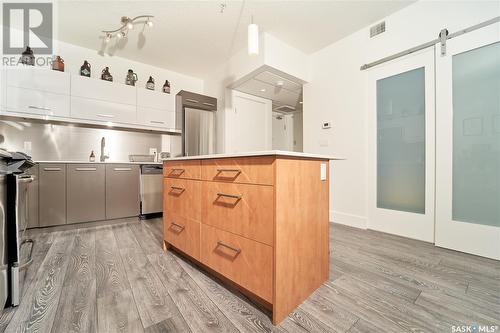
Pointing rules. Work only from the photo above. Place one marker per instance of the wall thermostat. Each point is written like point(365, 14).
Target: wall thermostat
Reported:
point(327, 124)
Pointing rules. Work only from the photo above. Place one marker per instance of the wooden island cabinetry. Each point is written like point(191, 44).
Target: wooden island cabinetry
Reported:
point(259, 222)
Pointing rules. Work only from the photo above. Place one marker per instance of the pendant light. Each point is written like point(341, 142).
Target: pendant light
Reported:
point(253, 38)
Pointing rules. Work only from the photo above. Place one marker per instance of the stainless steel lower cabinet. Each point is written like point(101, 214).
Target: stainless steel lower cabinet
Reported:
point(122, 190)
point(52, 194)
point(85, 191)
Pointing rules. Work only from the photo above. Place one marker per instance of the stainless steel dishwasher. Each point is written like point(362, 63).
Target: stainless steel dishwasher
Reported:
point(151, 189)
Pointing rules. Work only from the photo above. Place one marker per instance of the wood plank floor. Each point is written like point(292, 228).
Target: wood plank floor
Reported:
point(116, 278)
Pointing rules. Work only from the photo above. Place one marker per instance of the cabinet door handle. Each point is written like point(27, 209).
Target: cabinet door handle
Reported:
point(105, 115)
point(181, 227)
point(237, 171)
point(122, 169)
point(192, 100)
point(86, 169)
point(177, 172)
point(175, 188)
point(156, 122)
point(208, 104)
point(52, 169)
point(38, 108)
point(232, 196)
point(238, 251)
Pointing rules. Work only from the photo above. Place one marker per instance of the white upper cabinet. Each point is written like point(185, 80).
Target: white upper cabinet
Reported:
point(40, 79)
point(113, 92)
point(100, 100)
point(37, 102)
point(37, 91)
point(155, 99)
point(156, 117)
point(155, 108)
point(33, 92)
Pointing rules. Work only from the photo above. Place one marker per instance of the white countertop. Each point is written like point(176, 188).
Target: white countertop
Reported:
point(258, 153)
point(107, 162)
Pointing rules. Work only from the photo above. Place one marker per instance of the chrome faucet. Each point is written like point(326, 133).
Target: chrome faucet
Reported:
point(103, 144)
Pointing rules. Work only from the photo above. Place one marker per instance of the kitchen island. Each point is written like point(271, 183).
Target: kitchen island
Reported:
point(258, 221)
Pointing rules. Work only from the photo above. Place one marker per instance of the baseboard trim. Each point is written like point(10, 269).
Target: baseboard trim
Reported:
point(351, 220)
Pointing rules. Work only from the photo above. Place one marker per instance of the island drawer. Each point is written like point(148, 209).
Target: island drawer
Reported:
point(182, 233)
point(250, 170)
point(182, 169)
point(244, 261)
point(182, 197)
point(246, 210)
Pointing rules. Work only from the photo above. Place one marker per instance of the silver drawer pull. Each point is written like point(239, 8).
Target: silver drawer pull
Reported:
point(192, 100)
point(156, 122)
point(175, 188)
point(38, 108)
point(122, 169)
point(51, 169)
point(232, 196)
point(86, 169)
point(26, 179)
point(208, 104)
point(229, 170)
point(105, 115)
point(181, 227)
point(235, 171)
point(176, 172)
point(238, 251)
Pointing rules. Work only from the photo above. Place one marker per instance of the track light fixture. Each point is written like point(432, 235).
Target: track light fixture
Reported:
point(127, 24)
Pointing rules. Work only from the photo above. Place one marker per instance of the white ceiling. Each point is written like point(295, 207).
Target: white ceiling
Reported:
point(193, 37)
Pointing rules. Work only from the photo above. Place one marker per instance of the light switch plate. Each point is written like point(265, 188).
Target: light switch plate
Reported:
point(27, 146)
point(322, 171)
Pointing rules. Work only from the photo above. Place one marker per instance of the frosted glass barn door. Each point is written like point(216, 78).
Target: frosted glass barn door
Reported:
point(468, 143)
point(401, 146)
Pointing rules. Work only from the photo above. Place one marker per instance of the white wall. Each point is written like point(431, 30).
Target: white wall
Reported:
point(298, 138)
point(336, 92)
point(248, 123)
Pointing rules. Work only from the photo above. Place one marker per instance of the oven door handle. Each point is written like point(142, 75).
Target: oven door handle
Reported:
point(30, 258)
point(28, 179)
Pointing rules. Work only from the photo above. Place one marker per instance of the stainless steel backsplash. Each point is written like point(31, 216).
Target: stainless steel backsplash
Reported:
point(66, 142)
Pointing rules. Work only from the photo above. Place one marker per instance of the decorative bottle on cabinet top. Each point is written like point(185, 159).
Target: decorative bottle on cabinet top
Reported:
point(150, 84)
point(58, 64)
point(27, 57)
point(85, 69)
point(131, 78)
point(106, 75)
point(166, 87)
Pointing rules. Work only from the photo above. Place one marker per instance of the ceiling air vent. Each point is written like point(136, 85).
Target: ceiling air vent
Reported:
point(284, 108)
point(377, 29)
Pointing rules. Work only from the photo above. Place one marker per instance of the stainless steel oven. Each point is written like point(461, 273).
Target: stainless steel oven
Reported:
point(4, 262)
point(19, 247)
